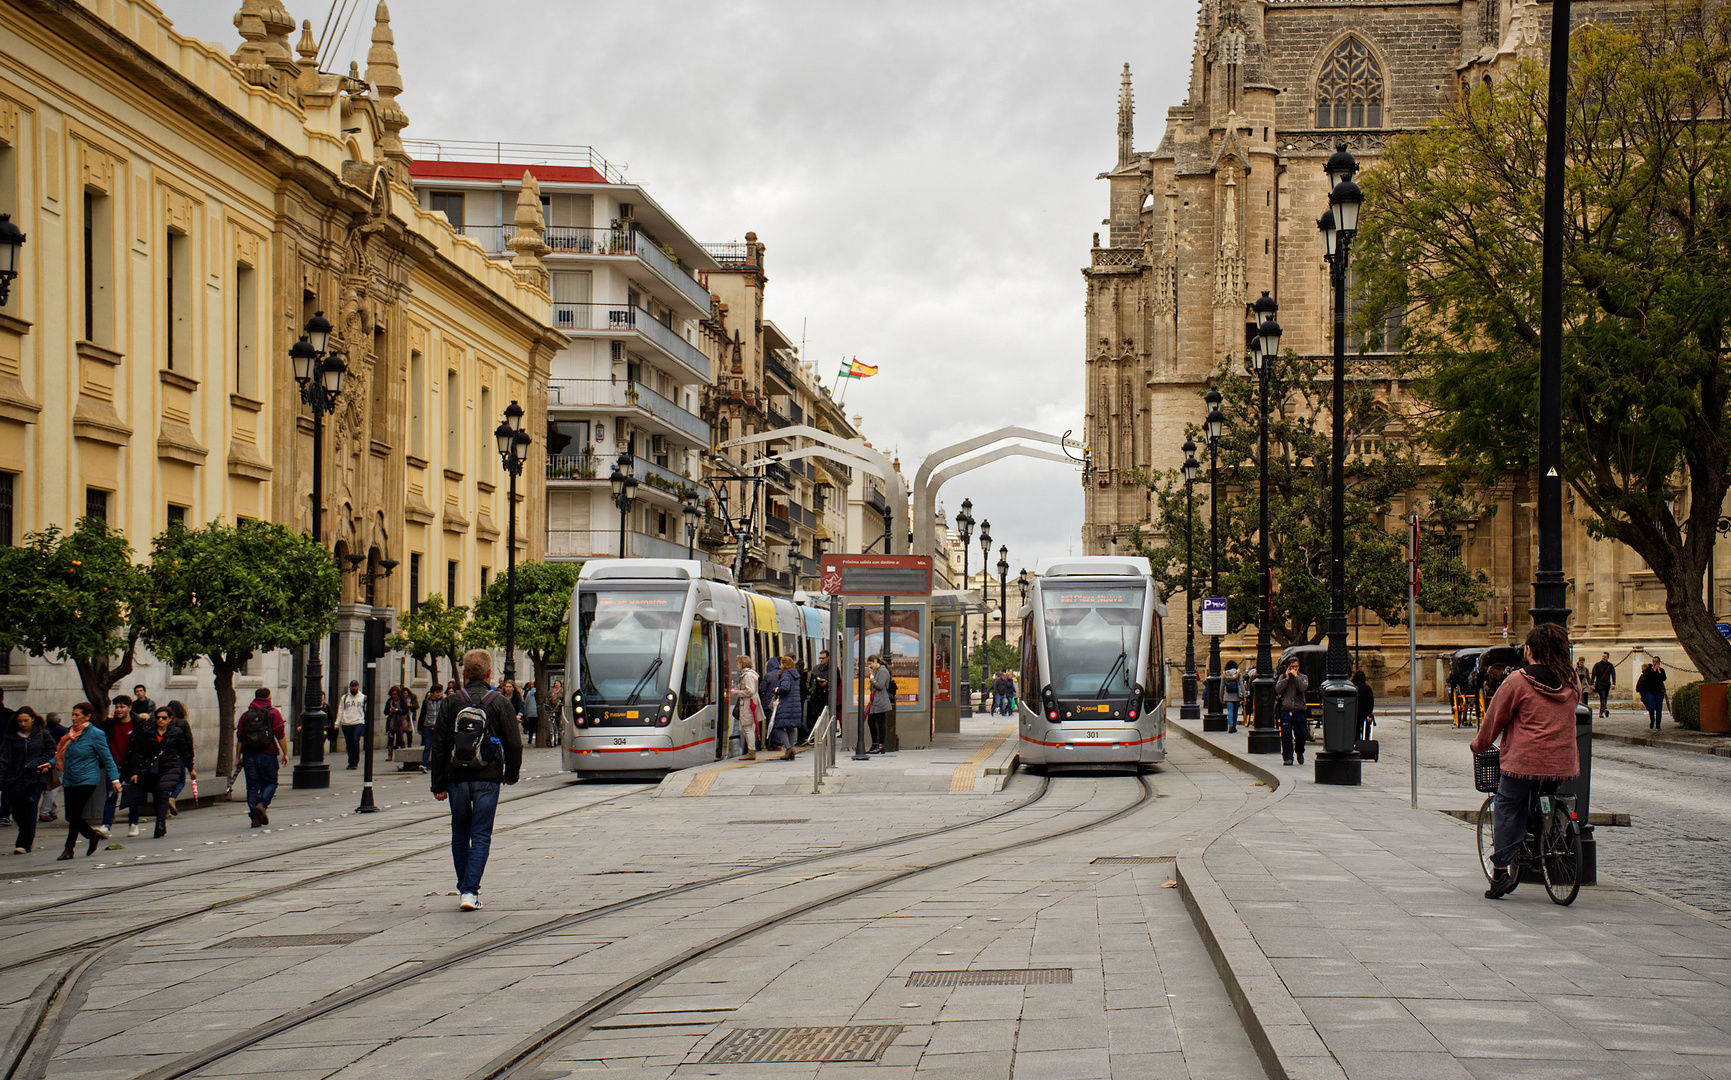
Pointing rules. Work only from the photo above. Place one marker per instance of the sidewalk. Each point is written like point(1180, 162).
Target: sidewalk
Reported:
point(978, 760)
point(1354, 939)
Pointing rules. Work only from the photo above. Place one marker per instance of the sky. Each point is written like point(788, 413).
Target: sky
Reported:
point(923, 175)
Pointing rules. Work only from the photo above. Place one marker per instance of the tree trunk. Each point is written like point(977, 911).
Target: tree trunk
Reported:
point(1694, 627)
point(537, 661)
point(224, 715)
point(99, 675)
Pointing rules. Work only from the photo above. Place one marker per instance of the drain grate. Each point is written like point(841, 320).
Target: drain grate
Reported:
point(773, 821)
point(1119, 860)
point(853, 1042)
point(991, 977)
point(281, 941)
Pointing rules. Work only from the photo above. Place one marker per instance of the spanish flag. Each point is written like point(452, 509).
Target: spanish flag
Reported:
point(856, 370)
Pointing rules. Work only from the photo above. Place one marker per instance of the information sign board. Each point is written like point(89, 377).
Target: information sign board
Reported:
point(877, 575)
point(1214, 615)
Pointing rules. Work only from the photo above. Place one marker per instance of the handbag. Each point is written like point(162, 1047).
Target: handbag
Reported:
point(132, 795)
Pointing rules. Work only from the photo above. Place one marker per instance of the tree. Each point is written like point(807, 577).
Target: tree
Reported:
point(73, 594)
point(1452, 235)
point(227, 592)
point(996, 656)
point(430, 633)
point(1380, 468)
point(543, 606)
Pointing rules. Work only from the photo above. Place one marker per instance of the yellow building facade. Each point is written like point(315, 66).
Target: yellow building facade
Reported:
point(187, 210)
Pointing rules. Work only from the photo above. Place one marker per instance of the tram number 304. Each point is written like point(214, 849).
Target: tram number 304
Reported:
point(618, 742)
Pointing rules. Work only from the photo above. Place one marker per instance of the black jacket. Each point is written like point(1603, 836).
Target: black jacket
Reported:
point(503, 725)
point(1604, 675)
point(21, 757)
point(160, 755)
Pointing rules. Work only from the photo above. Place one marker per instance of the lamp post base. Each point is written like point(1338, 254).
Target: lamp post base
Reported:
point(1213, 721)
point(1263, 742)
point(315, 775)
point(1345, 770)
point(1191, 712)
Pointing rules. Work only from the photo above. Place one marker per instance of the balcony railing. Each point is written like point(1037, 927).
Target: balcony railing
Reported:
point(586, 240)
point(776, 420)
point(588, 543)
point(773, 366)
point(582, 466)
point(772, 576)
point(734, 255)
point(658, 261)
point(628, 395)
point(622, 318)
point(778, 526)
point(777, 473)
point(506, 153)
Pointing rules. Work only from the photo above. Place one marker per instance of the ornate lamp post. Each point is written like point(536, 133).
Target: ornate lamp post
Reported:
point(372, 649)
point(689, 508)
point(1003, 590)
point(1214, 715)
point(513, 451)
point(319, 374)
point(1262, 343)
point(624, 492)
point(965, 532)
point(1338, 763)
point(985, 614)
point(1189, 710)
point(11, 239)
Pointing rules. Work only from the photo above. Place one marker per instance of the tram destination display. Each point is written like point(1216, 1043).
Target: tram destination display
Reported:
point(877, 575)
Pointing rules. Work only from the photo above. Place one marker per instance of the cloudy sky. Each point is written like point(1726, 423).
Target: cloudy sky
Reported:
point(923, 175)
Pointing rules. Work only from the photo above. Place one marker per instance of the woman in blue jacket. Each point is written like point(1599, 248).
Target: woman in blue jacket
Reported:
point(85, 765)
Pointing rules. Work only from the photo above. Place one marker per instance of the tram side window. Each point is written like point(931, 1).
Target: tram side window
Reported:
point(1156, 688)
point(1030, 688)
point(697, 689)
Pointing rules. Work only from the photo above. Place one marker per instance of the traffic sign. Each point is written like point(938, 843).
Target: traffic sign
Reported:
point(1214, 615)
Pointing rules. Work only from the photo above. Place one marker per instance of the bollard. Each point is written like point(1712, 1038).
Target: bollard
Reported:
point(1582, 788)
point(1338, 762)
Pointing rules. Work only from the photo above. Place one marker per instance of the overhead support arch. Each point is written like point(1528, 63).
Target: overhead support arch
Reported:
point(854, 451)
point(925, 494)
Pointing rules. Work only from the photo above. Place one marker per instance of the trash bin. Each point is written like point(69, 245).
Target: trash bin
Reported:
point(1713, 711)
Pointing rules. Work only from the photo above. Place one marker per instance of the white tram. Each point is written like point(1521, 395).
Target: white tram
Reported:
point(1093, 691)
point(652, 650)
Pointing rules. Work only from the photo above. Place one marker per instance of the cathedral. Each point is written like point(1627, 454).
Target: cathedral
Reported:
point(1225, 208)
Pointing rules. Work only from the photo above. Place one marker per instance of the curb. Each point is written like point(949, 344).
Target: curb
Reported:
point(1664, 744)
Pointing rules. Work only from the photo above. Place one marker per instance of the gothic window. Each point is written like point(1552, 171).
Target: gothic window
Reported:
point(1349, 89)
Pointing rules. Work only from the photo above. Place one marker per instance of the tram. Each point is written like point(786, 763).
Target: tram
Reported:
point(652, 648)
point(1093, 665)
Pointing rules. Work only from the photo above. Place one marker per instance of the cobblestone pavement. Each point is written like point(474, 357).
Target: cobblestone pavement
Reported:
point(273, 924)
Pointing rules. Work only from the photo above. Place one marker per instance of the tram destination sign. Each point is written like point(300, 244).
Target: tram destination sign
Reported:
point(877, 575)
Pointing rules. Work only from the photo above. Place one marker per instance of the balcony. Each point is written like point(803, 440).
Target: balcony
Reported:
point(601, 243)
point(776, 420)
point(592, 543)
point(623, 319)
point(581, 466)
point(778, 526)
point(606, 393)
point(781, 578)
point(590, 467)
point(775, 369)
point(777, 474)
point(877, 501)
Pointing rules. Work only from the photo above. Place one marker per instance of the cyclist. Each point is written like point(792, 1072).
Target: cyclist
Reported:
point(1534, 714)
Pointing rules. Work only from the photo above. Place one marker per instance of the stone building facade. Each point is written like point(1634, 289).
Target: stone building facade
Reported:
point(1225, 207)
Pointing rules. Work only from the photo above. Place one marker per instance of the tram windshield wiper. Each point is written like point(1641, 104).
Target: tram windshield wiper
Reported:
point(637, 691)
point(1122, 661)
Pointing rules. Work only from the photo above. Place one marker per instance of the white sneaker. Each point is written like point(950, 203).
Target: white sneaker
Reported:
point(471, 902)
point(132, 830)
point(100, 830)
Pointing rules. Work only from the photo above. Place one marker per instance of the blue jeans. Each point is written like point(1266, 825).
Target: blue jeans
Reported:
point(998, 704)
point(1509, 815)
point(352, 740)
point(260, 771)
point(1294, 733)
point(473, 803)
point(1232, 716)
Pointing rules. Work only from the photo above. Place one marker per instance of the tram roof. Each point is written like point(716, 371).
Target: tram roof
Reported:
point(1094, 566)
point(654, 569)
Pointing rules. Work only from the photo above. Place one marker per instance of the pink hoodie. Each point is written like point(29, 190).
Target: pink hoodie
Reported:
point(1537, 725)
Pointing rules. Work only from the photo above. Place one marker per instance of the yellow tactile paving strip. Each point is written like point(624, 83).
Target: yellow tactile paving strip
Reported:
point(963, 779)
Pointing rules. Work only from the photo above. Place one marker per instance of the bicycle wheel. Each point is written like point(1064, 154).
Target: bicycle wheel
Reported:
point(1560, 857)
point(1485, 832)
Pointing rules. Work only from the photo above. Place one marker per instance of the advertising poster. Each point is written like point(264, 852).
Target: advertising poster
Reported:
point(943, 664)
point(905, 644)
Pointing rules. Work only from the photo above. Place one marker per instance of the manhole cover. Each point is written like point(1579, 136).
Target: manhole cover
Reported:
point(1114, 860)
point(280, 941)
point(773, 821)
point(853, 1042)
point(990, 977)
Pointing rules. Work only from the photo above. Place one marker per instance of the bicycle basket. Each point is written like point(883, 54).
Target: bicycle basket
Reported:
point(1487, 769)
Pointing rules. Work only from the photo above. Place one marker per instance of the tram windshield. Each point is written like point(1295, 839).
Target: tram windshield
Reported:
point(625, 642)
point(1093, 633)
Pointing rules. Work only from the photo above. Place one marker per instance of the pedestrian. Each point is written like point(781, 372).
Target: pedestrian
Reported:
point(765, 693)
point(1290, 692)
point(1581, 675)
point(788, 708)
point(85, 764)
point(1651, 689)
point(56, 732)
point(1231, 692)
point(158, 759)
point(177, 715)
point(879, 671)
point(1366, 704)
point(820, 696)
point(556, 713)
point(429, 720)
point(142, 706)
point(351, 718)
point(468, 767)
point(26, 760)
point(118, 728)
point(1604, 680)
point(531, 715)
point(1000, 693)
point(261, 743)
point(1534, 716)
point(745, 710)
point(396, 719)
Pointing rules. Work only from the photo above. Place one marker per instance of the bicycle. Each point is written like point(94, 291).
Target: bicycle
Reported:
point(1552, 845)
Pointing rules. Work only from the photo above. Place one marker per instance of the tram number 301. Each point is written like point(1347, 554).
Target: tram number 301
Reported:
point(1092, 734)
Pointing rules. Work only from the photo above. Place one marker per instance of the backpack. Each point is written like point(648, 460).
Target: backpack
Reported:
point(255, 733)
point(473, 745)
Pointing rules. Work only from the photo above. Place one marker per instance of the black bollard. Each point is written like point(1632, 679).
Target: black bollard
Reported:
point(1582, 788)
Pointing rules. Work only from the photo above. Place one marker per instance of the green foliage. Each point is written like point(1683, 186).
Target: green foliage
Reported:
point(1686, 705)
point(996, 656)
point(430, 633)
point(1451, 236)
point(228, 592)
point(1300, 551)
point(543, 603)
point(73, 594)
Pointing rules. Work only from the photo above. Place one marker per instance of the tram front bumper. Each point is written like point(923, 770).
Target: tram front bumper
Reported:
point(1097, 745)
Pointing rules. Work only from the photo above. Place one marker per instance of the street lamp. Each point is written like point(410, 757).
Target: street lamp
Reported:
point(692, 512)
point(1189, 710)
point(624, 492)
point(1003, 590)
point(11, 239)
point(1214, 715)
point(319, 374)
point(513, 443)
point(1262, 344)
point(372, 648)
point(965, 530)
point(1338, 763)
point(985, 615)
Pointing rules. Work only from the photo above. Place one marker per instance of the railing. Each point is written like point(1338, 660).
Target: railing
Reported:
point(588, 240)
point(663, 479)
point(507, 153)
point(778, 473)
point(628, 395)
point(824, 738)
point(772, 576)
point(658, 261)
point(593, 543)
point(582, 466)
point(621, 318)
point(778, 526)
point(736, 254)
point(772, 365)
point(776, 419)
point(795, 413)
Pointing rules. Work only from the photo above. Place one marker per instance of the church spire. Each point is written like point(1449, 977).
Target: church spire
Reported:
point(1126, 112)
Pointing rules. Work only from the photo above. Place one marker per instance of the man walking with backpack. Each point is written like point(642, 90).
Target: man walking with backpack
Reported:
point(477, 745)
point(262, 744)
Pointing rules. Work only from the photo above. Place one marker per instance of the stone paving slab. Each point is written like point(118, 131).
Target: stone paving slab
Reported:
point(1355, 942)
